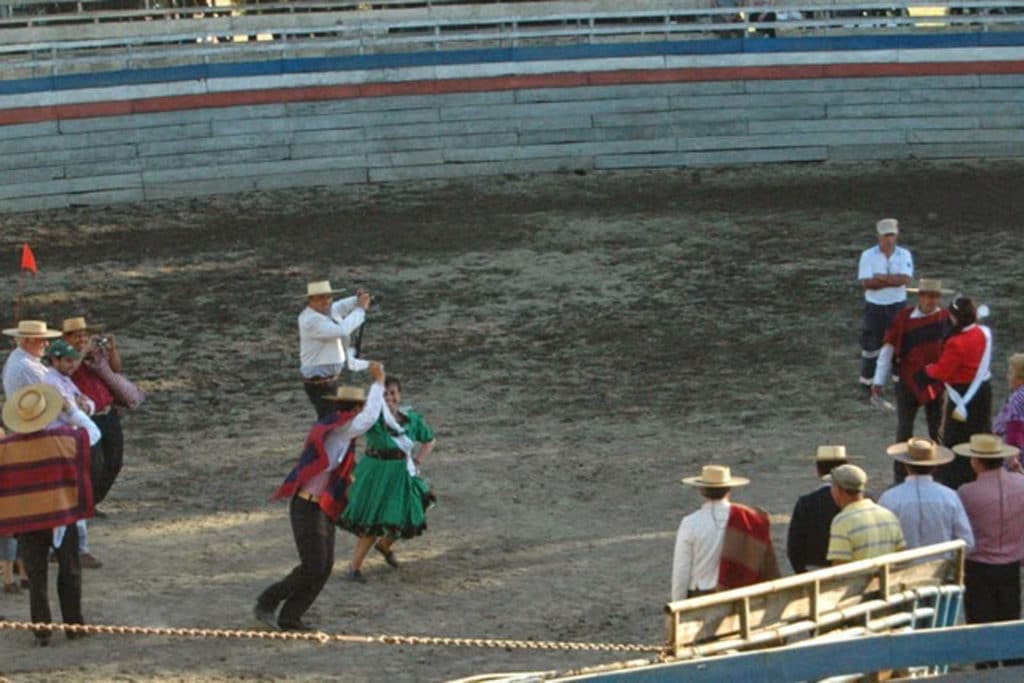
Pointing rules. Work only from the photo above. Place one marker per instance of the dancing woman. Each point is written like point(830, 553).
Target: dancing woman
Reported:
point(388, 498)
point(964, 368)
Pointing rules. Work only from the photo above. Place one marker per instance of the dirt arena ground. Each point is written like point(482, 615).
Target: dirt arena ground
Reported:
point(579, 343)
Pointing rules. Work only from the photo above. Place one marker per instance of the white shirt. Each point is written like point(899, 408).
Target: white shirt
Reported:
point(322, 338)
point(929, 512)
point(21, 370)
point(873, 262)
point(77, 417)
point(699, 548)
point(337, 442)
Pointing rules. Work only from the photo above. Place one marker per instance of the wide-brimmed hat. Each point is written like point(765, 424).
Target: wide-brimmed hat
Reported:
point(888, 226)
point(921, 452)
point(986, 446)
point(929, 285)
point(78, 324)
point(347, 393)
point(715, 477)
point(831, 454)
point(32, 408)
point(61, 349)
point(32, 329)
point(320, 287)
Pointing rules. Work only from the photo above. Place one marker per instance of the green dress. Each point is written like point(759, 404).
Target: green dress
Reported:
point(384, 499)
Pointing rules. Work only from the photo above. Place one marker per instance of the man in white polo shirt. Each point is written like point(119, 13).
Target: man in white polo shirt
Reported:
point(885, 271)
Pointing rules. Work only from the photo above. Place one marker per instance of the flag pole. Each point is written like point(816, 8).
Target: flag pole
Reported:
point(28, 262)
point(21, 293)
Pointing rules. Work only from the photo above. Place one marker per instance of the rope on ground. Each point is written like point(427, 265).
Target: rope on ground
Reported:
point(326, 638)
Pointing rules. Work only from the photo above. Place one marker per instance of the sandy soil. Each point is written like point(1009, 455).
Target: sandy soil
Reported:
point(578, 343)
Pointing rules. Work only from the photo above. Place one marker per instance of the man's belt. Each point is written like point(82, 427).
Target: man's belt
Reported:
point(389, 454)
point(105, 411)
point(319, 381)
point(307, 496)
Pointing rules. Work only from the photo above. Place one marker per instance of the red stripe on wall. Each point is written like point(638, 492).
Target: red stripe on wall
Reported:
point(498, 83)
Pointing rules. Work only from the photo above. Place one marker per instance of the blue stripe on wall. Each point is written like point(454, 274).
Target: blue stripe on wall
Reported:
point(482, 56)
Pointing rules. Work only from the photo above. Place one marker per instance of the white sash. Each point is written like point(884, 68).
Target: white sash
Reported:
point(402, 440)
point(960, 412)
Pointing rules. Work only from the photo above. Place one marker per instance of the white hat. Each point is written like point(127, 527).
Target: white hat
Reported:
point(347, 393)
point(985, 446)
point(888, 226)
point(320, 287)
point(32, 329)
point(929, 285)
point(831, 454)
point(715, 477)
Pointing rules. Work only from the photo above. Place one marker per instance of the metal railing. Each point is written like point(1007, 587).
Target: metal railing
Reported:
point(139, 44)
point(876, 594)
point(234, 32)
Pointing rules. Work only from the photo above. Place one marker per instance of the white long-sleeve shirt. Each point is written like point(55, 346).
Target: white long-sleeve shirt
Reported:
point(698, 550)
point(76, 417)
point(337, 442)
point(323, 338)
point(21, 370)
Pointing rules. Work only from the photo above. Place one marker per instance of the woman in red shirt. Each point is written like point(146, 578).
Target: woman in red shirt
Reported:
point(964, 368)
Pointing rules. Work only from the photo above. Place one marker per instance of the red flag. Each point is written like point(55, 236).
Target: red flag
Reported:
point(28, 259)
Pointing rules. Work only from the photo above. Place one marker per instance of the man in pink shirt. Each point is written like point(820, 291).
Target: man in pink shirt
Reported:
point(995, 507)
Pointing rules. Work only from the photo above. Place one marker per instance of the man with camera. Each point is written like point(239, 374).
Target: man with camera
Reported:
point(325, 327)
point(96, 349)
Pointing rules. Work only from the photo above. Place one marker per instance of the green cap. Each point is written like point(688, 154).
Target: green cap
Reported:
point(59, 348)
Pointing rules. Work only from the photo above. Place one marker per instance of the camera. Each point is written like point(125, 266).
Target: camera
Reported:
point(102, 342)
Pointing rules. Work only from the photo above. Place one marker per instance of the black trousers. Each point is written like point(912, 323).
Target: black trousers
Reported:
point(906, 413)
point(316, 393)
point(979, 421)
point(992, 592)
point(314, 539)
point(35, 551)
point(111, 447)
point(877, 320)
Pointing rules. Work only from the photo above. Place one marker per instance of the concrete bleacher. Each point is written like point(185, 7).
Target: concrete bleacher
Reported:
point(282, 116)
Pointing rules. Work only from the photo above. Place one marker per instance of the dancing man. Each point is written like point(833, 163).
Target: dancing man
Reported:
point(318, 486)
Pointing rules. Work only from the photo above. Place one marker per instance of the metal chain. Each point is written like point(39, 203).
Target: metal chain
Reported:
point(325, 638)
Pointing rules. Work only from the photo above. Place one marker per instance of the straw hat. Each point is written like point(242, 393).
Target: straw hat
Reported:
point(831, 454)
point(78, 324)
point(32, 408)
point(985, 446)
point(888, 226)
point(715, 477)
point(929, 285)
point(347, 393)
point(920, 451)
point(320, 287)
point(32, 329)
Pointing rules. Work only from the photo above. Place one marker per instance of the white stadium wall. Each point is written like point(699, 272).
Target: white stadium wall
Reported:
point(135, 135)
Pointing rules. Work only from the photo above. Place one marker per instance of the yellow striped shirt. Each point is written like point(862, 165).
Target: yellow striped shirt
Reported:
point(862, 530)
